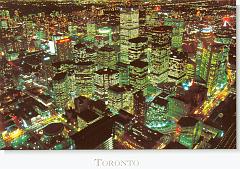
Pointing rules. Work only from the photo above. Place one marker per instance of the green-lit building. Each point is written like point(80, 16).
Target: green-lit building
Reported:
point(178, 29)
point(129, 28)
point(106, 58)
point(84, 76)
point(137, 48)
point(104, 78)
point(139, 74)
point(156, 112)
point(211, 67)
point(120, 97)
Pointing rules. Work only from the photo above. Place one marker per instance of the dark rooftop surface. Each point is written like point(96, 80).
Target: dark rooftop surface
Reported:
point(79, 46)
point(120, 89)
point(59, 63)
point(163, 95)
point(90, 50)
point(160, 101)
point(94, 134)
point(87, 115)
point(138, 63)
point(59, 76)
point(107, 49)
point(178, 54)
point(187, 122)
point(53, 129)
point(123, 117)
point(84, 63)
point(138, 40)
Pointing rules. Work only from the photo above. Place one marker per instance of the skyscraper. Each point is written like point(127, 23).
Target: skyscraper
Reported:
point(64, 49)
point(129, 28)
point(60, 94)
point(104, 78)
point(177, 66)
point(160, 44)
point(139, 74)
point(211, 67)
point(121, 97)
point(107, 58)
point(84, 75)
point(137, 48)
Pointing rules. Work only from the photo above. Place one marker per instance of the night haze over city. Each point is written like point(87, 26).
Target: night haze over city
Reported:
point(117, 74)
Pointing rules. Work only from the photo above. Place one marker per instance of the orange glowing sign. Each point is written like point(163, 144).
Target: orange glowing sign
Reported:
point(63, 40)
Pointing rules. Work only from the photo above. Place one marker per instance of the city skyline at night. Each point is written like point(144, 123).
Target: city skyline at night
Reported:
point(117, 74)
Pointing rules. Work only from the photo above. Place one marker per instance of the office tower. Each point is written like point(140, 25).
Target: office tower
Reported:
point(84, 76)
point(211, 67)
point(159, 43)
point(123, 70)
point(140, 105)
point(4, 19)
point(105, 36)
point(120, 97)
point(177, 107)
point(159, 65)
point(156, 113)
point(177, 32)
point(134, 135)
point(186, 100)
point(152, 16)
point(139, 74)
point(83, 53)
point(177, 66)
point(64, 49)
point(59, 89)
point(129, 28)
point(160, 34)
point(137, 48)
point(107, 58)
point(91, 30)
point(104, 78)
point(190, 70)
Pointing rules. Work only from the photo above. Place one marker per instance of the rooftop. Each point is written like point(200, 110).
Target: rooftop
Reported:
point(138, 40)
point(139, 63)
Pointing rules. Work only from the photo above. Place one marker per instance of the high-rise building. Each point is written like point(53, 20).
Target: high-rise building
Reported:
point(129, 28)
point(160, 34)
point(159, 65)
point(107, 58)
point(156, 113)
point(177, 32)
point(137, 48)
point(84, 76)
point(191, 130)
point(105, 36)
point(177, 66)
point(91, 29)
point(140, 105)
point(60, 94)
point(83, 53)
point(123, 70)
point(211, 67)
point(64, 49)
point(190, 70)
point(139, 74)
point(104, 78)
point(160, 43)
point(120, 97)
point(152, 16)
